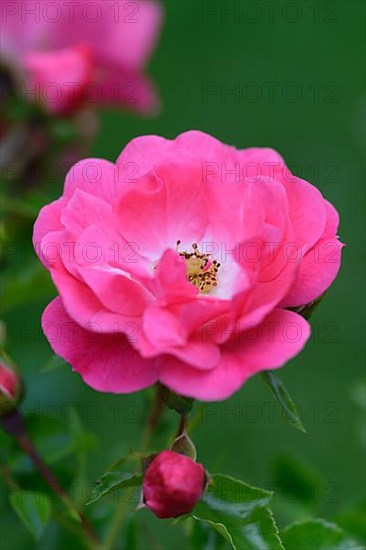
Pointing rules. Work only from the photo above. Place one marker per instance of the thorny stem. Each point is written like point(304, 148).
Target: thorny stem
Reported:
point(13, 424)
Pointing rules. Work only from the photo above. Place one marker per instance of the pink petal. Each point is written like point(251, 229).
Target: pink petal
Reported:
point(84, 307)
point(49, 219)
point(317, 271)
point(84, 210)
point(97, 177)
point(115, 290)
point(154, 213)
point(171, 279)
point(280, 337)
point(306, 204)
point(165, 334)
point(107, 363)
point(332, 224)
point(143, 153)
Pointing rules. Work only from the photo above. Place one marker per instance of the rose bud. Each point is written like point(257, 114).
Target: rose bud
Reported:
point(173, 484)
point(10, 388)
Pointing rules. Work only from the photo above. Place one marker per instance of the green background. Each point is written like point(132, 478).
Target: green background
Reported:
point(320, 56)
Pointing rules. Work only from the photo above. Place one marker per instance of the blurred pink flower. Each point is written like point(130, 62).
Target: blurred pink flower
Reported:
point(69, 53)
point(179, 262)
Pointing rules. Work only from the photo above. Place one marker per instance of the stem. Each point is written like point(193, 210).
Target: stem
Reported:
point(13, 423)
point(152, 421)
point(151, 424)
point(182, 424)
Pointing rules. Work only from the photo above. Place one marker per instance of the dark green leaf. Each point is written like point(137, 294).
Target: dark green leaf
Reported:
point(34, 510)
point(238, 512)
point(317, 534)
point(203, 537)
point(111, 481)
point(284, 399)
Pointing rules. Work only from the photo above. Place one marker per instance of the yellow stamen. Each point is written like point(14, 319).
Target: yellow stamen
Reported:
point(201, 269)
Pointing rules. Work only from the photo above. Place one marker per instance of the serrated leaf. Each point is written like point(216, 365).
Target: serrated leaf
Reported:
point(317, 534)
point(283, 397)
point(111, 481)
point(33, 509)
point(238, 512)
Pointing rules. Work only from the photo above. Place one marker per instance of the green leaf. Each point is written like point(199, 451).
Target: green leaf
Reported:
point(317, 534)
point(353, 520)
point(204, 538)
point(34, 510)
point(111, 481)
point(281, 394)
point(238, 512)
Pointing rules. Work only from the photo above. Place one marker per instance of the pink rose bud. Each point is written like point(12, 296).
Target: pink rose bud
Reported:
point(10, 388)
point(173, 484)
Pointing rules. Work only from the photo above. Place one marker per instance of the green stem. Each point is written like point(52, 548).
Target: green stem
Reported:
point(13, 486)
point(151, 424)
point(182, 424)
point(152, 421)
point(13, 423)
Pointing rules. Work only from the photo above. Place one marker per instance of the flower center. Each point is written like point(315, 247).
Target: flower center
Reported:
point(201, 269)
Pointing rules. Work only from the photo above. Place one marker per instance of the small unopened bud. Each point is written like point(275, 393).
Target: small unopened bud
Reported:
point(10, 388)
point(173, 484)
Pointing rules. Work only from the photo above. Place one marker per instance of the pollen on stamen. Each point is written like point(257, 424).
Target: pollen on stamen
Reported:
point(201, 268)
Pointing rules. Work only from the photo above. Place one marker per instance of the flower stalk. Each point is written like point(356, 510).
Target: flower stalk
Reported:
point(14, 424)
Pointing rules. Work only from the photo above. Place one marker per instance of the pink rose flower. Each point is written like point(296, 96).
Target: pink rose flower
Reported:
point(173, 484)
point(179, 263)
point(67, 54)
